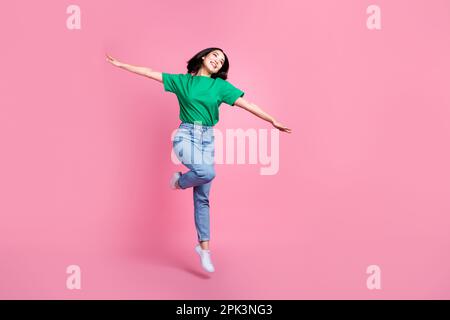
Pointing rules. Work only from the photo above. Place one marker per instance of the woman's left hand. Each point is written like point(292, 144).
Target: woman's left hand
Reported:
point(281, 127)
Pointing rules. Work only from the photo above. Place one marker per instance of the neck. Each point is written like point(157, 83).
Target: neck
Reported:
point(203, 72)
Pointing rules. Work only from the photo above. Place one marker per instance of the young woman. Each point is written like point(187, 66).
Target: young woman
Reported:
point(200, 92)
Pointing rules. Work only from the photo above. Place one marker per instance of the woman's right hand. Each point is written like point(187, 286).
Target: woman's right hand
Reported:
point(113, 61)
point(281, 127)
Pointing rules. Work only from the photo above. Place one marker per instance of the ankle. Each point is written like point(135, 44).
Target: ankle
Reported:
point(204, 245)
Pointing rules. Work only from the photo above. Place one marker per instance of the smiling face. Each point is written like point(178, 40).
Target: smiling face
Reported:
point(214, 61)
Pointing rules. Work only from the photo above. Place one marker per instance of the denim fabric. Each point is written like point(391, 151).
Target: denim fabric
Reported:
point(193, 144)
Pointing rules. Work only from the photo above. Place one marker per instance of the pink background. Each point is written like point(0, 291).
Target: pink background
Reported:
point(364, 177)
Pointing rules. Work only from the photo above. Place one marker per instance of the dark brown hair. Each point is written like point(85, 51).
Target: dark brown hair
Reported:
point(195, 63)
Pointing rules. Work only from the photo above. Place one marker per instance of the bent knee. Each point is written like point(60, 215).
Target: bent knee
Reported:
point(207, 174)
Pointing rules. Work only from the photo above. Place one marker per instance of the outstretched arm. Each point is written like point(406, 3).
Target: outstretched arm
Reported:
point(143, 71)
point(253, 108)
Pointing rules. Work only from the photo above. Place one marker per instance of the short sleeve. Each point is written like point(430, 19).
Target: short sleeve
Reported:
point(172, 82)
point(230, 93)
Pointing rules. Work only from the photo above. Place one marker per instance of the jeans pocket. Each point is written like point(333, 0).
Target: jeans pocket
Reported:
point(184, 131)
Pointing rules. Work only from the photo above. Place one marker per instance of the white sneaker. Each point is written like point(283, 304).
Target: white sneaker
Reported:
point(205, 256)
point(174, 179)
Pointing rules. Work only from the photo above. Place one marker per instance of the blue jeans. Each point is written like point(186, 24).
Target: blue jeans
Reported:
point(193, 144)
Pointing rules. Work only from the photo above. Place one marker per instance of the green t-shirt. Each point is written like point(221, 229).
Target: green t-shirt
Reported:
point(200, 96)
